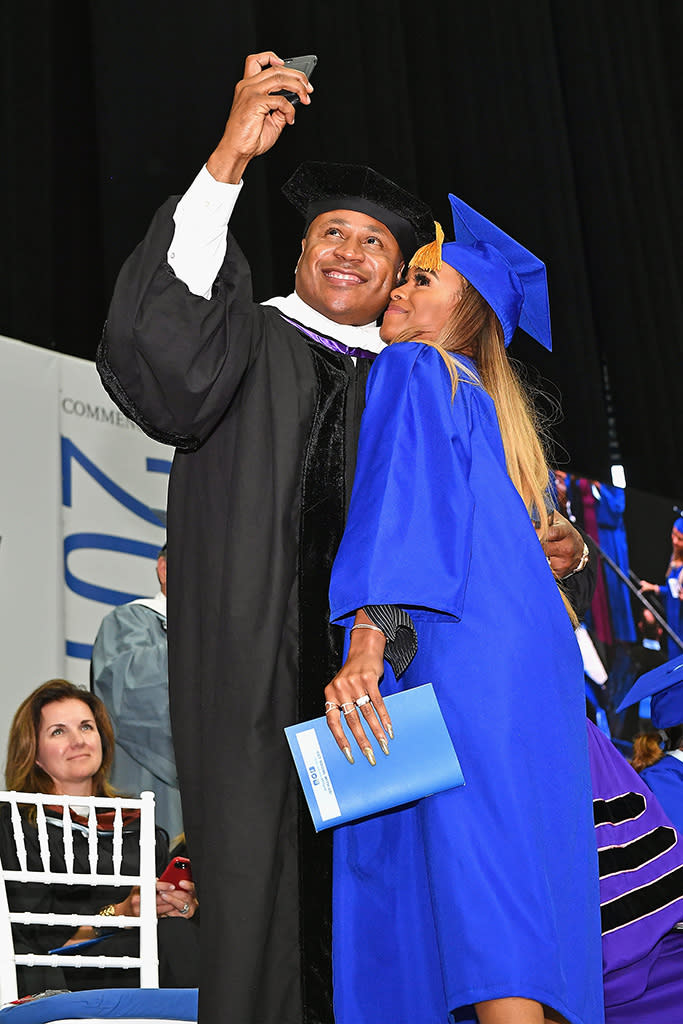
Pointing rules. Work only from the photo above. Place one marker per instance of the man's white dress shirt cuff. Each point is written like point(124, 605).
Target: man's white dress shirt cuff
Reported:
point(201, 221)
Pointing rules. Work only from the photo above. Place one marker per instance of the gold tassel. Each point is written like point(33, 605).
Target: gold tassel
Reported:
point(429, 256)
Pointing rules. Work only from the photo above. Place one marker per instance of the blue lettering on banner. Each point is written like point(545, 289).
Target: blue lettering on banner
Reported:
point(158, 465)
point(69, 452)
point(102, 541)
point(74, 650)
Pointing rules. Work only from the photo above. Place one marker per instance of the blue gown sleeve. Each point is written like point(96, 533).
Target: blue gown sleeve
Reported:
point(408, 535)
point(665, 779)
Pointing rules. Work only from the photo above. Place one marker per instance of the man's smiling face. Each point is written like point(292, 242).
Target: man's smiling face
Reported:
point(349, 263)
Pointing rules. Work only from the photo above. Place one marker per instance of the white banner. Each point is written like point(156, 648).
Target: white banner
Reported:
point(114, 481)
point(31, 588)
point(82, 516)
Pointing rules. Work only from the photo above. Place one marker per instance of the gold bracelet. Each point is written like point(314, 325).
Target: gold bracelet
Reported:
point(108, 911)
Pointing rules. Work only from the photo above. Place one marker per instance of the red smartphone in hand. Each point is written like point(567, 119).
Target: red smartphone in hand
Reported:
point(177, 870)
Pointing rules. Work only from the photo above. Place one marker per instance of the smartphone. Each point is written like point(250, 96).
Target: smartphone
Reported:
point(305, 64)
point(177, 870)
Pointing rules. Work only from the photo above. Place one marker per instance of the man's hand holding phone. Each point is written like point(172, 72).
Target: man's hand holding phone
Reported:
point(303, 64)
point(263, 104)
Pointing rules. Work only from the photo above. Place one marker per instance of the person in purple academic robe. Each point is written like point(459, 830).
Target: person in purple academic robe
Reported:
point(641, 892)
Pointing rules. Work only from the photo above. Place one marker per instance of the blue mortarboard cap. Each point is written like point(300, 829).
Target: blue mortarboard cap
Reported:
point(511, 279)
point(665, 685)
point(678, 525)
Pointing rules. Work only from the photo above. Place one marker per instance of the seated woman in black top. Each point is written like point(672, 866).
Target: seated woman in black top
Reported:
point(61, 741)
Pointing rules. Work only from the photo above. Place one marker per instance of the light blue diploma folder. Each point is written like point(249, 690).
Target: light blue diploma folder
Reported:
point(421, 761)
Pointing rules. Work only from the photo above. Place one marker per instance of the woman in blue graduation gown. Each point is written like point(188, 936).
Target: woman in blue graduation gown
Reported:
point(480, 903)
point(671, 592)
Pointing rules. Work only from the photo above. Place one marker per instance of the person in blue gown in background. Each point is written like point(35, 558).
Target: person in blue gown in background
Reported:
point(670, 593)
point(480, 903)
point(658, 755)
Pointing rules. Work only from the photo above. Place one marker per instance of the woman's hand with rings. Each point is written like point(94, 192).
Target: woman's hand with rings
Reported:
point(354, 694)
point(180, 901)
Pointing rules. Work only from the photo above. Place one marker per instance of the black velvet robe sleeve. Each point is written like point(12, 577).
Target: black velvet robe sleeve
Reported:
point(171, 360)
point(580, 587)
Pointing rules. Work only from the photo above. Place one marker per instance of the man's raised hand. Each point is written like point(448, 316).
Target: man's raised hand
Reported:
point(257, 117)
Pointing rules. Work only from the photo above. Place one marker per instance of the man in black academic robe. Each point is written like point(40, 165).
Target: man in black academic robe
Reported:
point(263, 404)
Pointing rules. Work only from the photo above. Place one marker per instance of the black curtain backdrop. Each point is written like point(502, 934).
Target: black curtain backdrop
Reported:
point(561, 122)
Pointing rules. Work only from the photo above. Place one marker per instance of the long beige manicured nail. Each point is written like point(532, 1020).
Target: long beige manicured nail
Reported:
point(348, 755)
point(385, 747)
point(369, 754)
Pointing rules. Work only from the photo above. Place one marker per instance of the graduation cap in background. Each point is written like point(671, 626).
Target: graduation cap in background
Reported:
point(665, 685)
point(317, 187)
point(511, 279)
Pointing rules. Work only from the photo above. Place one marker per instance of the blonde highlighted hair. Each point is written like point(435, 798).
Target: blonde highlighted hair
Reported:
point(473, 329)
